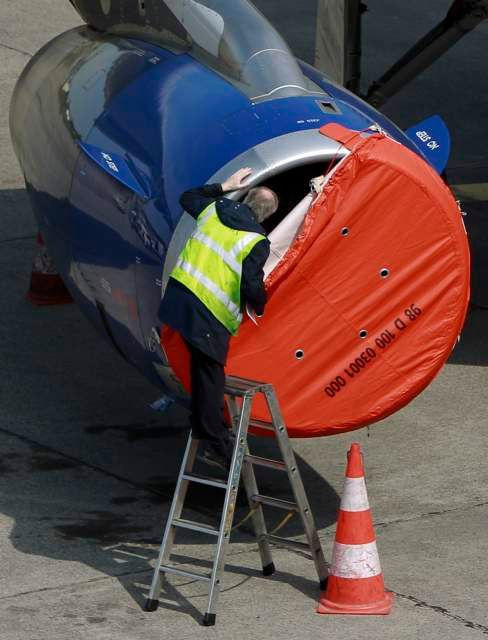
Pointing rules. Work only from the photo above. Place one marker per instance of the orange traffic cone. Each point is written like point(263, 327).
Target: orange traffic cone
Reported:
point(46, 286)
point(355, 583)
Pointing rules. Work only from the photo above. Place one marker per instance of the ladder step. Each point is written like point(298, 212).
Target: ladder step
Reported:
point(275, 502)
point(211, 482)
point(260, 424)
point(235, 386)
point(266, 462)
point(292, 544)
point(236, 391)
point(186, 574)
point(195, 526)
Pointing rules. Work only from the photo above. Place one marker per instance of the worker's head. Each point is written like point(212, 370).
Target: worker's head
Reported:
point(262, 201)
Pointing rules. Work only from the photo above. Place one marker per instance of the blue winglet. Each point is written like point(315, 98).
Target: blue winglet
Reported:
point(432, 137)
point(117, 167)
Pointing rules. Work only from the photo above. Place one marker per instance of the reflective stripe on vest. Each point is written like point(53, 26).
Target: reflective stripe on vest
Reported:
point(210, 265)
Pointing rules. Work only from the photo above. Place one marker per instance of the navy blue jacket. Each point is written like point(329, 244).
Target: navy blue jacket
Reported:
point(182, 310)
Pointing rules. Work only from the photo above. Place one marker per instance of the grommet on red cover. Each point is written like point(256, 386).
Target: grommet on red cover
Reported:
point(384, 273)
point(299, 354)
point(363, 334)
point(345, 231)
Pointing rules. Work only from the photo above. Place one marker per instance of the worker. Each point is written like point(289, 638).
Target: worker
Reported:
point(218, 273)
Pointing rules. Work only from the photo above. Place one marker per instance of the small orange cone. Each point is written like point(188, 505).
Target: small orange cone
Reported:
point(355, 583)
point(46, 286)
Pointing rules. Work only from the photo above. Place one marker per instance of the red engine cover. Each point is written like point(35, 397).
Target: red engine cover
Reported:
point(369, 301)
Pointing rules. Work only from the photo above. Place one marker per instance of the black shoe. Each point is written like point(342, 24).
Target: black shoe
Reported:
point(217, 454)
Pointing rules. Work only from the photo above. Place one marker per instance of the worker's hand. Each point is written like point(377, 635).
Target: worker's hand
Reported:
point(252, 314)
point(235, 181)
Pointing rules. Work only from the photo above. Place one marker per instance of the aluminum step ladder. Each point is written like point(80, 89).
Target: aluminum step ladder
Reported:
point(239, 396)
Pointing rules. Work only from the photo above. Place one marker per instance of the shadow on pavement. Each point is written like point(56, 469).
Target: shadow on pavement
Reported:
point(64, 510)
point(87, 471)
point(177, 597)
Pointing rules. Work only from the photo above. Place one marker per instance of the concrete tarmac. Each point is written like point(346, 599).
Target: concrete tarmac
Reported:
point(87, 470)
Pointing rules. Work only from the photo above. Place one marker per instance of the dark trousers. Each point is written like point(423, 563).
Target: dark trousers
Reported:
point(207, 397)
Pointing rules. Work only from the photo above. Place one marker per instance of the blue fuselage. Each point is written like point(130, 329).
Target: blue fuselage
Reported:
point(176, 123)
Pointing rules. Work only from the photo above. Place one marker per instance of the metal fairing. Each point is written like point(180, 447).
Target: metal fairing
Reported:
point(343, 96)
point(176, 123)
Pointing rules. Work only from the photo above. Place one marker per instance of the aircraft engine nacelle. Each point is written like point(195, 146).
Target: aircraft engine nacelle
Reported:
point(368, 280)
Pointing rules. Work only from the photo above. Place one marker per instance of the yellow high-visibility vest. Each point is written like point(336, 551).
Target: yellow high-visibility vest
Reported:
point(210, 266)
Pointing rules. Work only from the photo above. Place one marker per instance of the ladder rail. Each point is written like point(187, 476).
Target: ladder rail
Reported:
point(175, 512)
point(257, 518)
point(297, 486)
point(251, 488)
point(229, 507)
